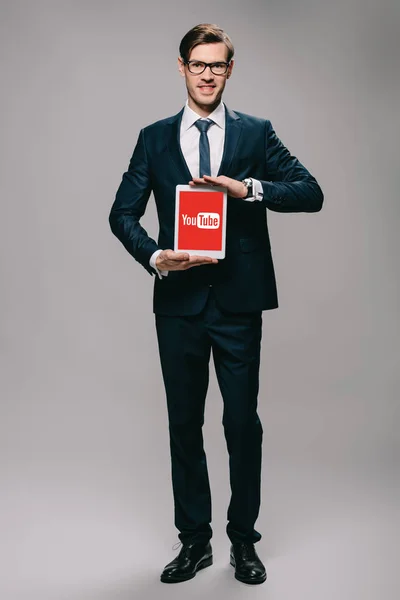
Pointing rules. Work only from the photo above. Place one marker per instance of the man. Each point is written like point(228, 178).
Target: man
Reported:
point(217, 306)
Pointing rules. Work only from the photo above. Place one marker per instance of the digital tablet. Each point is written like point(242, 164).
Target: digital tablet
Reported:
point(200, 220)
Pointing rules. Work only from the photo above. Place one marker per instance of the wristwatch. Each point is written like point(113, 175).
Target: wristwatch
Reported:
point(248, 182)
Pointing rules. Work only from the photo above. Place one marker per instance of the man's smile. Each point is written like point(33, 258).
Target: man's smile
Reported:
point(207, 87)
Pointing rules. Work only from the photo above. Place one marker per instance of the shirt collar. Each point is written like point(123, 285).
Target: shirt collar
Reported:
point(189, 116)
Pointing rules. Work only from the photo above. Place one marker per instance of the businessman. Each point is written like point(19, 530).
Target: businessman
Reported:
point(203, 305)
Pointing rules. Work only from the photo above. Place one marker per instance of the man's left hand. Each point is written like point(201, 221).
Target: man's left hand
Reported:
point(235, 188)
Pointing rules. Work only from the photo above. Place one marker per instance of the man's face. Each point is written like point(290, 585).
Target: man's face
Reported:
point(205, 90)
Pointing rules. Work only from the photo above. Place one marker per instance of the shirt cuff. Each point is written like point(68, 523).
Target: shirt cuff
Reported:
point(153, 258)
point(257, 191)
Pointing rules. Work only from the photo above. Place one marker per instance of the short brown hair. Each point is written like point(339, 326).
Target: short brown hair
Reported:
point(205, 33)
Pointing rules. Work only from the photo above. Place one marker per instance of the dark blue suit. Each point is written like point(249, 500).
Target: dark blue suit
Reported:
point(213, 307)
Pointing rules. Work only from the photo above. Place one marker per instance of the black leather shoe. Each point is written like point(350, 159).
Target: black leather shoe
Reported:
point(248, 566)
point(191, 558)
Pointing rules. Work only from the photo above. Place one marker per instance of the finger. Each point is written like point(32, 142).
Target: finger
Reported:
point(197, 181)
point(213, 180)
point(177, 256)
point(202, 259)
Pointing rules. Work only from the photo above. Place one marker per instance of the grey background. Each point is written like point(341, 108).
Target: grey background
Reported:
point(86, 500)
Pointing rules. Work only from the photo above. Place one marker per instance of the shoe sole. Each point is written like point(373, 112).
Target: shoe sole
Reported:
point(252, 581)
point(202, 565)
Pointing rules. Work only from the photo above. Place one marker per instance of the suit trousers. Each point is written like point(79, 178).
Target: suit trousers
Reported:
point(185, 345)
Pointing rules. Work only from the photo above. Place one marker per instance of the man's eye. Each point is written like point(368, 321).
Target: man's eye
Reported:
point(219, 65)
point(197, 64)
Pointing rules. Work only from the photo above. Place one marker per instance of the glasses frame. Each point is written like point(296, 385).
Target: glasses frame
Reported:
point(218, 62)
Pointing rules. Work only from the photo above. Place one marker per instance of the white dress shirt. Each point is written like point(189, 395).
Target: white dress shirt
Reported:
point(189, 141)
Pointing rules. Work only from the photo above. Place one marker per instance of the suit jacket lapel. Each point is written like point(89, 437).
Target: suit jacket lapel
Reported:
point(233, 129)
point(174, 146)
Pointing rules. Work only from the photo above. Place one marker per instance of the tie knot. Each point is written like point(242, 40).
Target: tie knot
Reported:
point(203, 124)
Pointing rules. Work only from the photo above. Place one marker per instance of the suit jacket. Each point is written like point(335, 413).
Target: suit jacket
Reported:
point(244, 281)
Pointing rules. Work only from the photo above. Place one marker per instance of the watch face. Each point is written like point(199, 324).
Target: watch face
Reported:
point(249, 184)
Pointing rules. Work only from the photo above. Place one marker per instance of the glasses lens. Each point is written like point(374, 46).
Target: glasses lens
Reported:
point(196, 67)
point(219, 68)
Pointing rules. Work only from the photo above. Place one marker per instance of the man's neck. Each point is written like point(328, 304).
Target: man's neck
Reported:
point(203, 110)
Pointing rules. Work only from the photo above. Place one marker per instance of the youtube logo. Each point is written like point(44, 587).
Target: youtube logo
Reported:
point(203, 220)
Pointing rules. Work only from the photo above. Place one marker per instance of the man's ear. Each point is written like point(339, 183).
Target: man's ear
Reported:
point(181, 66)
point(229, 72)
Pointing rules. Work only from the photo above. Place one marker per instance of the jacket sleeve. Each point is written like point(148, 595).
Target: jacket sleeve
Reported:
point(289, 186)
point(129, 206)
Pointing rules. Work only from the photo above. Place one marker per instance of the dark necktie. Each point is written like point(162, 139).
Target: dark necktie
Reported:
point(204, 146)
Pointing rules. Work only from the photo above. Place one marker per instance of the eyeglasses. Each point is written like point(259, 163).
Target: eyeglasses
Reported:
point(197, 67)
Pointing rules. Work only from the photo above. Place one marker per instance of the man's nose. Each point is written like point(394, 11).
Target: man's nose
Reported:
point(207, 73)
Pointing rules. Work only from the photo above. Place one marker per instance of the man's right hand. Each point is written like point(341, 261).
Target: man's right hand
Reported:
point(168, 260)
